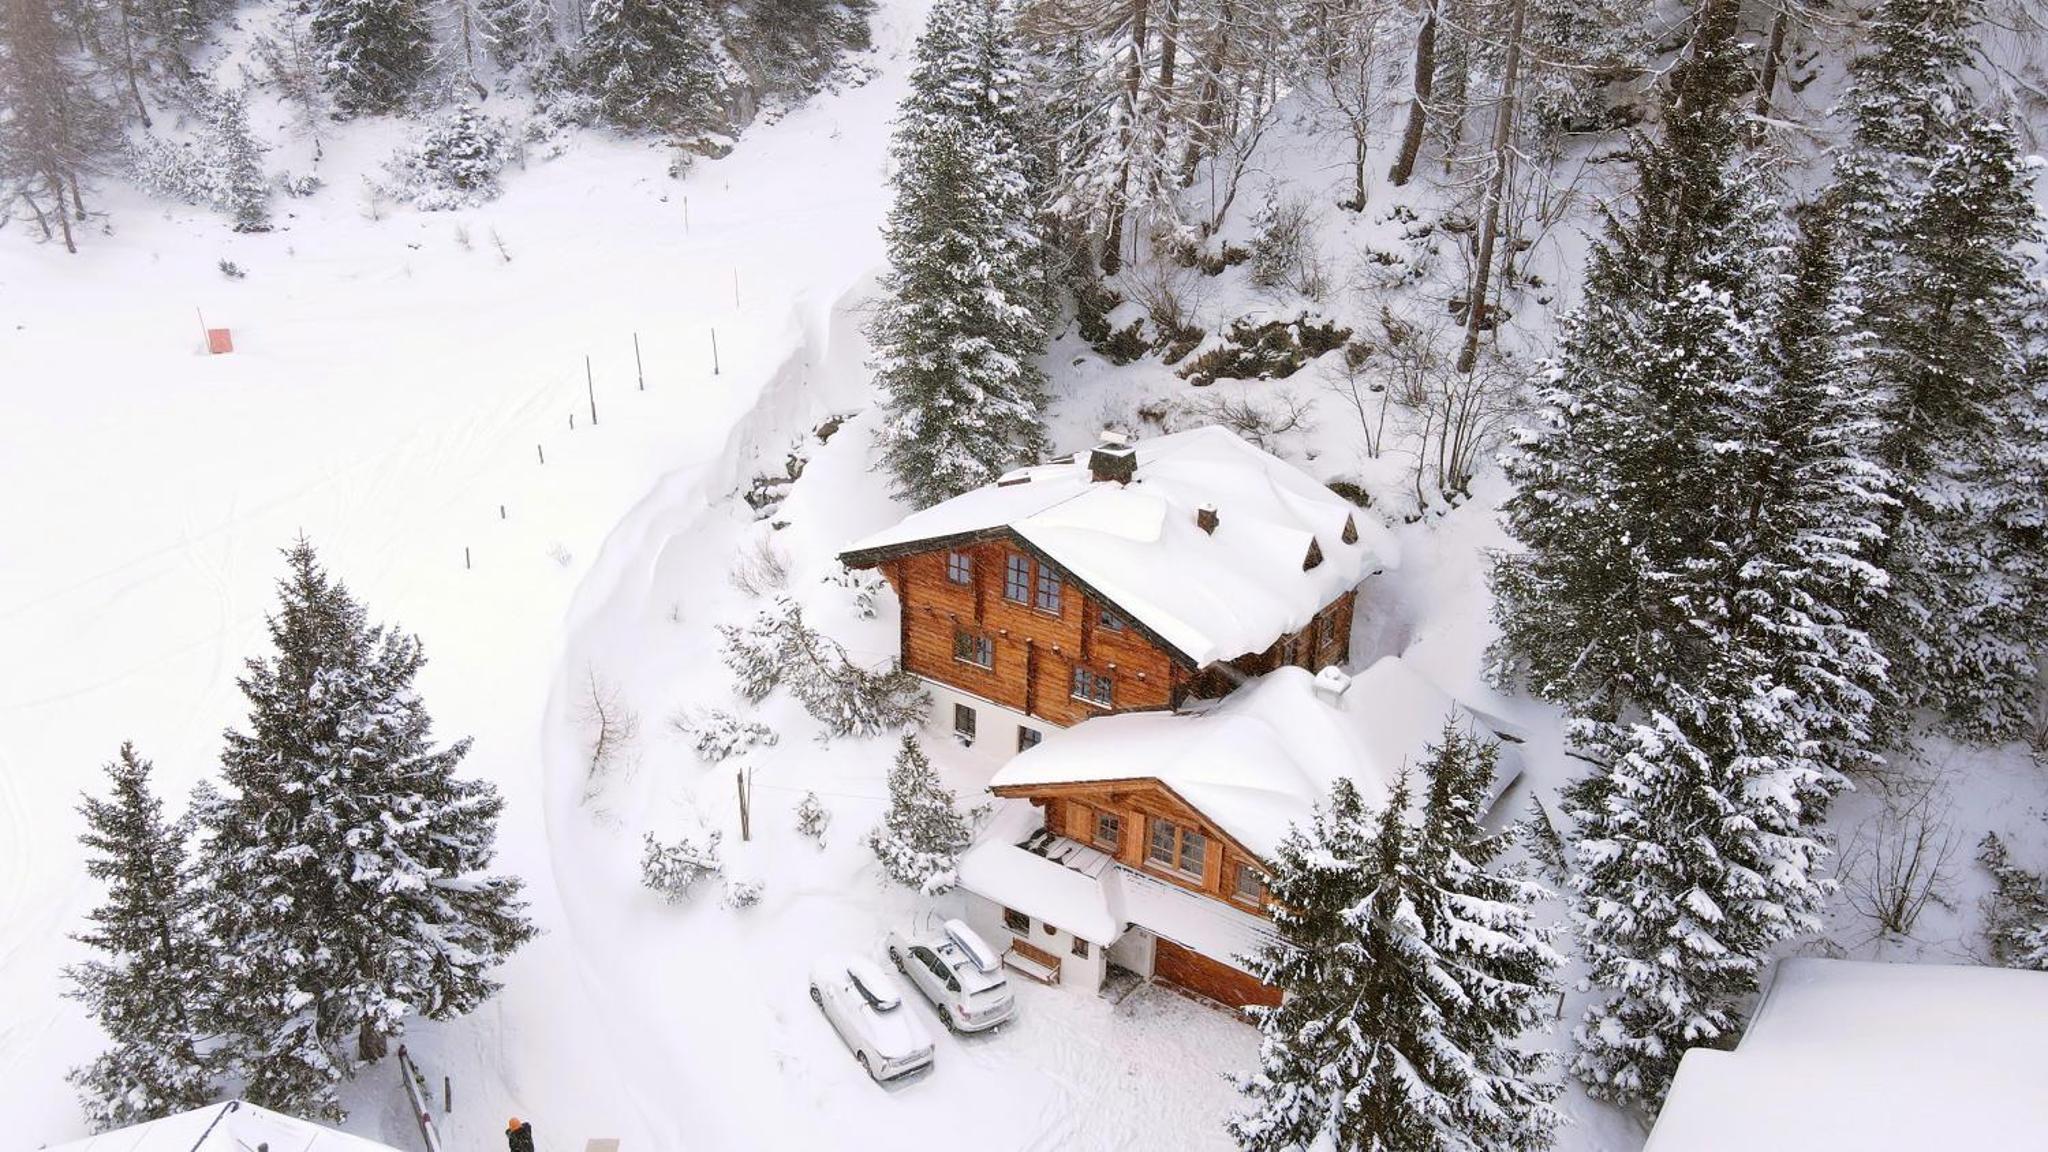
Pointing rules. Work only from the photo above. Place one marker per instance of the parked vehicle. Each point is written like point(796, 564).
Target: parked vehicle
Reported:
point(865, 1006)
point(959, 973)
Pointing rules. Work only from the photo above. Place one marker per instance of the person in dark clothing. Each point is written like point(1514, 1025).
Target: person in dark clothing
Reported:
point(518, 1135)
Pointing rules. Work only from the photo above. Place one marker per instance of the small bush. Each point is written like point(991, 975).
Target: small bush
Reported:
point(1282, 249)
point(1093, 302)
point(1273, 350)
point(760, 569)
point(812, 818)
point(232, 270)
point(741, 894)
point(453, 162)
point(673, 869)
point(777, 649)
point(863, 586)
point(1125, 344)
point(718, 735)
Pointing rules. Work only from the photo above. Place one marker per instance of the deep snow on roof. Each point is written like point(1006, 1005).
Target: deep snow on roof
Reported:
point(1210, 596)
point(1261, 759)
point(236, 1126)
point(1854, 1056)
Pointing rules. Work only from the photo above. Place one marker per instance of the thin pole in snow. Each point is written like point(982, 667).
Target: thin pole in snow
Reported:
point(714, 351)
point(465, 557)
point(572, 420)
point(735, 287)
point(204, 339)
point(590, 387)
point(447, 1095)
point(501, 511)
point(541, 452)
point(686, 215)
point(639, 369)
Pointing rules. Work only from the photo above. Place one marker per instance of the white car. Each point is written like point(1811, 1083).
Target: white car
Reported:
point(866, 1007)
point(959, 973)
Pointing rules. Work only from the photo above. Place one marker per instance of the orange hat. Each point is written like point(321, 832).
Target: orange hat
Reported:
point(512, 1125)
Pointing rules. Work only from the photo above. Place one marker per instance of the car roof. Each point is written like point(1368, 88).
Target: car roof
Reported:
point(972, 978)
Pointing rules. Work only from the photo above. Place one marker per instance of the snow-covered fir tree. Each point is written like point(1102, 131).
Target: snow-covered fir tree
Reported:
point(777, 649)
point(375, 53)
point(2016, 913)
point(652, 65)
point(674, 869)
point(1412, 967)
point(516, 31)
point(963, 318)
point(1935, 198)
point(920, 838)
point(813, 818)
point(1697, 515)
point(241, 188)
point(151, 968)
point(454, 161)
point(345, 865)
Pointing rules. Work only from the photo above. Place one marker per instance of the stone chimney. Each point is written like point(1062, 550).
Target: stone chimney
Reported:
point(1113, 459)
point(1205, 518)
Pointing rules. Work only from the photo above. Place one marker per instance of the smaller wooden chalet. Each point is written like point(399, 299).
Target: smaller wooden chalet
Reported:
point(1140, 842)
point(1134, 577)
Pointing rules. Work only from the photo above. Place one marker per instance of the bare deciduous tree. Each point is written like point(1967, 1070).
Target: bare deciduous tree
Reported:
point(609, 726)
point(1897, 862)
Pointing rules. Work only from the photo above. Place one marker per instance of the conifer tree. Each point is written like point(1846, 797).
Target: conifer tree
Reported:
point(651, 65)
point(237, 159)
point(375, 52)
point(517, 31)
point(920, 838)
point(1698, 516)
point(960, 329)
point(1412, 968)
point(1936, 201)
point(56, 127)
point(344, 867)
point(146, 984)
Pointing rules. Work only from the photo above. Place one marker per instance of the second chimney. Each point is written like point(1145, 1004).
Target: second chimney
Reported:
point(1205, 518)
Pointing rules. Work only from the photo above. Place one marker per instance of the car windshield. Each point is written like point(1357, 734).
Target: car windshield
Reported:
point(877, 994)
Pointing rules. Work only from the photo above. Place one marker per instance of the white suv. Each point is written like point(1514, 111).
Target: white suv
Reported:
point(959, 973)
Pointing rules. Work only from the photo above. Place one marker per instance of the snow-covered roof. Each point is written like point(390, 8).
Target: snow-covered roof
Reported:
point(1097, 903)
point(1853, 1056)
point(1262, 758)
point(236, 1126)
point(1209, 596)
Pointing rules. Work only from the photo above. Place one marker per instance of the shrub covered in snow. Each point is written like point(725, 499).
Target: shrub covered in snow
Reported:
point(673, 869)
point(719, 735)
point(453, 162)
point(222, 169)
point(812, 818)
point(920, 838)
point(2016, 912)
point(862, 586)
point(777, 649)
point(741, 894)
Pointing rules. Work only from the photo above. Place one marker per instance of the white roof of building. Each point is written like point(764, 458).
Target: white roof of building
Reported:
point(1094, 897)
point(236, 1126)
point(1852, 1056)
point(1208, 596)
point(1261, 759)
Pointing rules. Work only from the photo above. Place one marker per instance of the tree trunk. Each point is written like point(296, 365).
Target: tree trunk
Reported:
point(1210, 106)
point(1134, 82)
point(1767, 82)
point(63, 220)
point(1496, 190)
point(1418, 109)
point(126, 17)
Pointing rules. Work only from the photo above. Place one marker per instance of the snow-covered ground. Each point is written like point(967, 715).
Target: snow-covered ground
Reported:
point(395, 386)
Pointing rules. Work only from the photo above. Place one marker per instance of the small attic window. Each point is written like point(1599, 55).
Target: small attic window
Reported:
point(1350, 530)
point(1314, 557)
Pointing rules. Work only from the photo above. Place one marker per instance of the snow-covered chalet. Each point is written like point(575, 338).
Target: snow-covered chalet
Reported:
point(1150, 639)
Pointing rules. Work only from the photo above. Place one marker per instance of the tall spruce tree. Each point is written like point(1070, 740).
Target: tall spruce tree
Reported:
point(963, 321)
point(56, 127)
point(920, 838)
point(1697, 516)
point(1936, 202)
point(375, 52)
point(145, 987)
point(1412, 967)
point(345, 866)
point(236, 160)
point(652, 65)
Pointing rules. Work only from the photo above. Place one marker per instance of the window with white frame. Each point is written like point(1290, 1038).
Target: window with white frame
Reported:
point(1017, 579)
point(1094, 687)
point(973, 648)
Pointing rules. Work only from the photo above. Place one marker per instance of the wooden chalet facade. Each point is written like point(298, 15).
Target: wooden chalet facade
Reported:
point(1131, 583)
point(997, 615)
point(996, 619)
